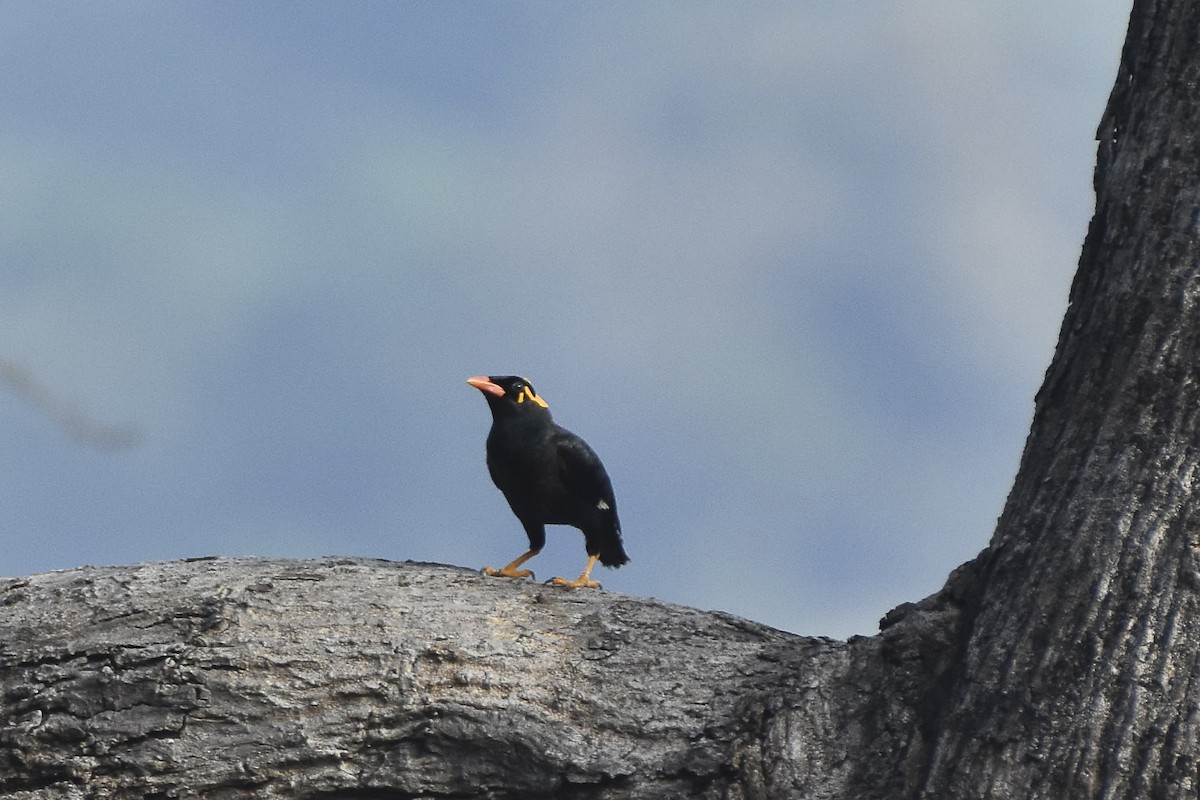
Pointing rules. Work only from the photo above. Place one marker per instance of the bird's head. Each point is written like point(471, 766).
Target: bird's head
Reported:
point(509, 394)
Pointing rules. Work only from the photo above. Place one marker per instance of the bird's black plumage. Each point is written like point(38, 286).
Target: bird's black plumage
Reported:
point(549, 476)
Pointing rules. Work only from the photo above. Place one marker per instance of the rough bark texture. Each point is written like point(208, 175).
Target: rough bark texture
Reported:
point(1063, 662)
point(1080, 670)
point(345, 678)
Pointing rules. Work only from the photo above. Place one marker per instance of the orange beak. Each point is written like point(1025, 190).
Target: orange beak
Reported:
point(486, 386)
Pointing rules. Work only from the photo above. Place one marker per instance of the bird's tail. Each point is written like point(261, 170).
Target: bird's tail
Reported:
point(613, 555)
point(612, 550)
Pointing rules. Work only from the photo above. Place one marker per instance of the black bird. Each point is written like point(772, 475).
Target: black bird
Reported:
point(549, 476)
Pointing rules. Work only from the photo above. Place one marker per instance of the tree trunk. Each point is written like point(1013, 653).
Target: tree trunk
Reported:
point(1079, 675)
point(1061, 663)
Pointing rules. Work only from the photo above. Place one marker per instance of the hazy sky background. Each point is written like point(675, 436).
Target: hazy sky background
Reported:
point(793, 269)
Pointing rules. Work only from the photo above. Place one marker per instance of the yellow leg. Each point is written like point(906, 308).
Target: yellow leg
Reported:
point(511, 570)
point(584, 581)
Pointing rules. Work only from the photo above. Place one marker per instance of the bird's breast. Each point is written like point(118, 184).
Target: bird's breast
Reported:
point(522, 459)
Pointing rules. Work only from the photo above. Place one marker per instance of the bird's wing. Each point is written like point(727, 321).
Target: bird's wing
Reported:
point(581, 471)
point(586, 483)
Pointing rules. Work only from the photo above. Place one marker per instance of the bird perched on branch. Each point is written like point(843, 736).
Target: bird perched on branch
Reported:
point(549, 476)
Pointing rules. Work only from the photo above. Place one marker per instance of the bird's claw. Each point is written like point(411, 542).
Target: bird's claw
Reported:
point(578, 583)
point(508, 573)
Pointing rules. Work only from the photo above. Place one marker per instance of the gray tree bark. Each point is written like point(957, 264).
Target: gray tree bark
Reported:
point(1063, 662)
point(1079, 674)
point(350, 678)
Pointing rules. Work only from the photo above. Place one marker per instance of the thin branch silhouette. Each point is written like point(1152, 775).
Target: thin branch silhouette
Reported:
point(69, 417)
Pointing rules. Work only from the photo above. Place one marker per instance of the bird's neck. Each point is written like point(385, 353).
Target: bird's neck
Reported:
point(522, 432)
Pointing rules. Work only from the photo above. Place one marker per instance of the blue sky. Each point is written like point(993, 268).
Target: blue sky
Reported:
point(794, 270)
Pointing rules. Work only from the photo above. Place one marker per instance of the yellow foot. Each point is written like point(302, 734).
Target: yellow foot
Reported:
point(582, 582)
point(508, 572)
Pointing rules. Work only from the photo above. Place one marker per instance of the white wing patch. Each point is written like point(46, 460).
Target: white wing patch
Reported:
point(603, 506)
